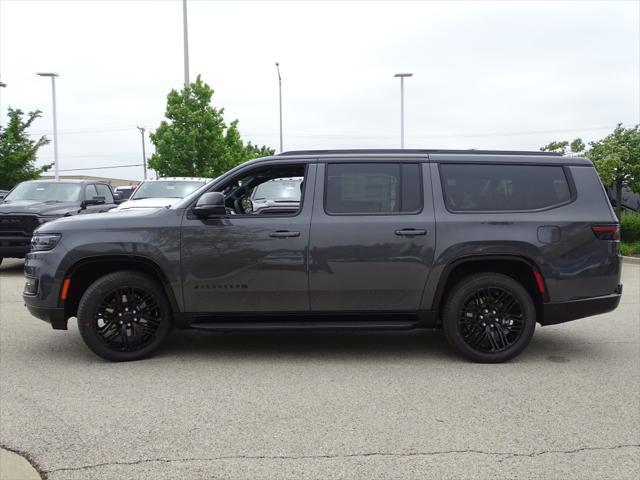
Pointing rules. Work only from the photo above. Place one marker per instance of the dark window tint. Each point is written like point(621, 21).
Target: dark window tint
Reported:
point(503, 187)
point(373, 188)
point(104, 191)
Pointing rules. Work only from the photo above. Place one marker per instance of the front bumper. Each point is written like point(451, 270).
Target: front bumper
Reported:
point(54, 316)
point(14, 246)
point(554, 313)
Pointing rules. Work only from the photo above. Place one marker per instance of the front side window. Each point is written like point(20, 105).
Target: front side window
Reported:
point(45, 192)
point(373, 188)
point(104, 191)
point(494, 188)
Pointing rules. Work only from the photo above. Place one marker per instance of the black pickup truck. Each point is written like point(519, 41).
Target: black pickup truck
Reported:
point(33, 203)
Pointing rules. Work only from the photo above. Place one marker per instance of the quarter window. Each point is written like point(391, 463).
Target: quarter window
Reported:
point(472, 187)
point(373, 188)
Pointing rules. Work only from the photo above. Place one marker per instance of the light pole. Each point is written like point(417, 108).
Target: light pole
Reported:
point(280, 99)
point(2, 85)
point(144, 155)
point(186, 43)
point(55, 121)
point(402, 77)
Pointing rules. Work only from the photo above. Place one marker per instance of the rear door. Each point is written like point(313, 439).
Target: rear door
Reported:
point(372, 235)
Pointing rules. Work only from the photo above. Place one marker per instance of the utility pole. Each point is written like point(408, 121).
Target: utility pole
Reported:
point(402, 77)
point(186, 43)
point(55, 121)
point(144, 155)
point(280, 99)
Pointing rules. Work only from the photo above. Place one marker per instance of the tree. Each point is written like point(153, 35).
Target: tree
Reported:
point(254, 151)
point(18, 151)
point(616, 157)
point(194, 140)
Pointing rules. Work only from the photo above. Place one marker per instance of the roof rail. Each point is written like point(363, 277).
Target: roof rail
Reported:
point(417, 151)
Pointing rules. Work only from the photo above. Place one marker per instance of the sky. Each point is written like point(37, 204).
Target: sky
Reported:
point(496, 75)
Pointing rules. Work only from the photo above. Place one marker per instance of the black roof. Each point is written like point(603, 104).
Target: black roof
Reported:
point(417, 152)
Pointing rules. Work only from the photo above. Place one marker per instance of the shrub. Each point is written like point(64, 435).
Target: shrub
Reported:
point(630, 248)
point(630, 227)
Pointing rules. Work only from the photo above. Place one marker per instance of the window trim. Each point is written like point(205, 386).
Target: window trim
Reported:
point(244, 172)
point(374, 214)
point(565, 170)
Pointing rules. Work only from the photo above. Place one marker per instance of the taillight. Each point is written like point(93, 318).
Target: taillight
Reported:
point(606, 232)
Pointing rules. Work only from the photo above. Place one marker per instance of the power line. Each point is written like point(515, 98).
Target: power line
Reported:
point(100, 168)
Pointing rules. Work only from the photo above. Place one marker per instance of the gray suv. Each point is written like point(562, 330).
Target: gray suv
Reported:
point(482, 244)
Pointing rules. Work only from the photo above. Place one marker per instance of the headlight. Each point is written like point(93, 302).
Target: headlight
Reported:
point(44, 241)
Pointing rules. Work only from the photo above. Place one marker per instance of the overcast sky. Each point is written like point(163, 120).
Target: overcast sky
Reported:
point(500, 75)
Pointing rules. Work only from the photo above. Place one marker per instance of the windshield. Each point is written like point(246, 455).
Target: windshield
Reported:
point(166, 189)
point(45, 192)
point(279, 189)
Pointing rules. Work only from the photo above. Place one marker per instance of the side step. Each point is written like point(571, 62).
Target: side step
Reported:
point(309, 325)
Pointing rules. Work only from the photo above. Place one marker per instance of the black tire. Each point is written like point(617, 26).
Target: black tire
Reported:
point(124, 316)
point(489, 318)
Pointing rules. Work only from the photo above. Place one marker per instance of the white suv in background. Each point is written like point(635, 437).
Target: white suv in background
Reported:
point(162, 192)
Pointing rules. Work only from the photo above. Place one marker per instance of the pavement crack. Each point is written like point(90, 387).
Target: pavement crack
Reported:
point(506, 455)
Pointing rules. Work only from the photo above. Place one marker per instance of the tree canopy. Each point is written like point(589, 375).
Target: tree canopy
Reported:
point(194, 140)
point(18, 151)
point(616, 157)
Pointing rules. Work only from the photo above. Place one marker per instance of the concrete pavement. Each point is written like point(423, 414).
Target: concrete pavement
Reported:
point(324, 405)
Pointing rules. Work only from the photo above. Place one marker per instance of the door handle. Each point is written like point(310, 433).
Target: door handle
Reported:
point(410, 232)
point(284, 234)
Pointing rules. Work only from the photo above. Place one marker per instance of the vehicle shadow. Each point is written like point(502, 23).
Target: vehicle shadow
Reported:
point(11, 266)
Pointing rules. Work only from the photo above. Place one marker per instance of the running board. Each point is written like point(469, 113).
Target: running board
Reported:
point(310, 325)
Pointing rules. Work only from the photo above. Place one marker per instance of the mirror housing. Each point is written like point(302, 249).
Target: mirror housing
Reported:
point(93, 201)
point(210, 204)
point(117, 197)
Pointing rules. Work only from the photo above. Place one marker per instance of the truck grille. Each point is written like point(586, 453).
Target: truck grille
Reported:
point(18, 225)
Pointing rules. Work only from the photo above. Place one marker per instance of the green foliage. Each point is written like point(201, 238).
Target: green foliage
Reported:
point(630, 248)
point(254, 151)
point(630, 227)
point(194, 140)
point(616, 157)
point(18, 151)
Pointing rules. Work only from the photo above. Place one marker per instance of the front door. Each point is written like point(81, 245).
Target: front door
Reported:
point(252, 259)
point(372, 238)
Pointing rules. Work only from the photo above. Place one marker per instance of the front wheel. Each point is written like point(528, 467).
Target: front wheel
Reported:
point(124, 316)
point(489, 318)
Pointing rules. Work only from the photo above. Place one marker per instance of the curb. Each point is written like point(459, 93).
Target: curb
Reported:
point(13, 466)
point(631, 260)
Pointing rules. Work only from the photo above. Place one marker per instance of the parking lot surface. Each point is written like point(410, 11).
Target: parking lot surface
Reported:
point(324, 405)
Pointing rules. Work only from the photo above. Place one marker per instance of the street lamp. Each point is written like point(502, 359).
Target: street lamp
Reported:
point(280, 98)
point(185, 32)
point(55, 121)
point(402, 77)
point(2, 85)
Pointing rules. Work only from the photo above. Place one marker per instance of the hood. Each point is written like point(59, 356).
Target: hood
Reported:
point(128, 219)
point(39, 208)
point(146, 203)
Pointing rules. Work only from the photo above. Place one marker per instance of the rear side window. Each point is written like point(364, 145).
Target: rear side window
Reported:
point(494, 188)
point(373, 188)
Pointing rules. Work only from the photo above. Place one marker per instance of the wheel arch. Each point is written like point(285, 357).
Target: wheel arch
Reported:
point(84, 272)
point(522, 269)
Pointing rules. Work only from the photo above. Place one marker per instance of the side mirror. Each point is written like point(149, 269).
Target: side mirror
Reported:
point(210, 204)
point(93, 201)
point(117, 197)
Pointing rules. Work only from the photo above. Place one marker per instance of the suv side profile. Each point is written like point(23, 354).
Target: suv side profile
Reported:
point(32, 203)
point(482, 244)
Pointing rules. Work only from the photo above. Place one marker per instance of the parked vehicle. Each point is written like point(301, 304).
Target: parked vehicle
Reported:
point(124, 192)
point(162, 192)
point(483, 244)
point(3, 193)
point(30, 204)
point(630, 199)
point(280, 195)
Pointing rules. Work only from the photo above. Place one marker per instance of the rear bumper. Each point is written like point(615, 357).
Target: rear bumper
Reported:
point(54, 316)
point(554, 313)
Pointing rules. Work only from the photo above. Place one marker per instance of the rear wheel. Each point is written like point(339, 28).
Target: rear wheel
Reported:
point(489, 318)
point(124, 316)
